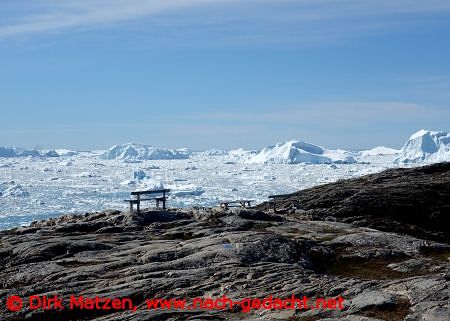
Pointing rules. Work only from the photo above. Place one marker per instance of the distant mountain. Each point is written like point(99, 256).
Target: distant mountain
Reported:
point(295, 152)
point(132, 151)
point(426, 146)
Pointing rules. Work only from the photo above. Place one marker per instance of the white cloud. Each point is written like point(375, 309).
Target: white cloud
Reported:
point(321, 112)
point(55, 16)
point(59, 15)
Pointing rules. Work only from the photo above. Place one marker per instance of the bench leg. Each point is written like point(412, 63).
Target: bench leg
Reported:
point(157, 203)
point(164, 201)
point(138, 205)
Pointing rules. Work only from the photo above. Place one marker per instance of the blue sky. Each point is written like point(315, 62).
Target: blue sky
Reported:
point(222, 73)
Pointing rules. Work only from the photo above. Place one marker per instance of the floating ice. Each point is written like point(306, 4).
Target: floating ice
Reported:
point(66, 152)
point(12, 189)
point(379, 151)
point(426, 146)
point(139, 174)
point(213, 152)
point(186, 190)
point(21, 152)
point(87, 183)
point(143, 152)
point(86, 174)
point(295, 152)
point(128, 182)
point(18, 152)
point(150, 185)
point(50, 153)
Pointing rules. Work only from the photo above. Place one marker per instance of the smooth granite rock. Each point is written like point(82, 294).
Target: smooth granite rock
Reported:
point(251, 253)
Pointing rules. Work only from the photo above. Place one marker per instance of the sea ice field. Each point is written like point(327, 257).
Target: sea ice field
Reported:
point(39, 188)
point(35, 185)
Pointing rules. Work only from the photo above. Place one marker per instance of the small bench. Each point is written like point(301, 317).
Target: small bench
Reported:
point(145, 196)
point(274, 199)
point(238, 203)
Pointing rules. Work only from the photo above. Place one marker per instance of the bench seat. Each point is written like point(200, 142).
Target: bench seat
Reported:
point(237, 203)
point(147, 197)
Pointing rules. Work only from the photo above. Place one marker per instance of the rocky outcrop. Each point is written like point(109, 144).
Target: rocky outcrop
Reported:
point(415, 201)
point(211, 253)
point(320, 243)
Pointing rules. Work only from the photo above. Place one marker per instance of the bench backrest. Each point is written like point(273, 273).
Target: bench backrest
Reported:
point(277, 196)
point(158, 191)
point(237, 201)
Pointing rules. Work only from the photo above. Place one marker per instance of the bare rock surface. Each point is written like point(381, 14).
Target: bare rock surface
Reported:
point(251, 253)
point(414, 201)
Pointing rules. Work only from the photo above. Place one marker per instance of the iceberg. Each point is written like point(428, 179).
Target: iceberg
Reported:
point(380, 151)
point(425, 146)
point(18, 152)
point(21, 152)
point(66, 152)
point(186, 190)
point(213, 152)
point(12, 189)
point(296, 152)
point(143, 152)
point(51, 153)
point(139, 174)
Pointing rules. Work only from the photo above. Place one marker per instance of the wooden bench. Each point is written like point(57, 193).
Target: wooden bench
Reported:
point(145, 196)
point(274, 199)
point(238, 203)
